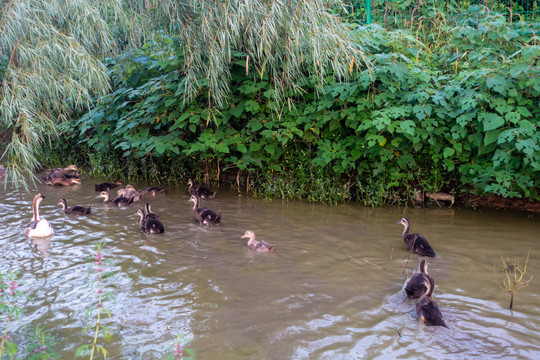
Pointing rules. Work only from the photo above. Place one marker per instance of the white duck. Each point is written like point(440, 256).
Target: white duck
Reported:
point(38, 227)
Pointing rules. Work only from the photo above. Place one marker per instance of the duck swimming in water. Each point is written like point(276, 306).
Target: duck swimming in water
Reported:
point(156, 190)
point(106, 186)
point(117, 201)
point(67, 170)
point(204, 215)
point(62, 181)
point(38, 227)
point(131, 192)
point(416, 242)
point(200, 191)
point(75, 210)
point(260, 246)
point(150, 224)
point(427, 309)
point(416, 287)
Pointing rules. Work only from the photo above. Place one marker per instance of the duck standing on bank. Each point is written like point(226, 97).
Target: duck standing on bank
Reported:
point(206, 216)
point(75, 210)
point(416, 242)
point(427, 309)
point(200, 191)
point(38, 227)
point(259, 246)
point(416, 287)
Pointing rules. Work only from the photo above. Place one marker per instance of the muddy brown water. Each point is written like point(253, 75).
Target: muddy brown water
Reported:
point(308, 300)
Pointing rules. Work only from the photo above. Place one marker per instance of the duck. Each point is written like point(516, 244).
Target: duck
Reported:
point(117, 201)
point(204, 215)
point(75, 210)
point(131, 192)
point(106, 186)
point(148, 212)
point(415, 288)
point(416, 242)
point(427, 309)
point(62, 181)
point(67, 170)
point(155, 190)
point(260, 246)
point(38, 227)
point(150, 224)
point(200, 191)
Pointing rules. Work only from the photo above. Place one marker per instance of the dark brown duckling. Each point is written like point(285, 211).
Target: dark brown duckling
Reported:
point(67, 170)
point(200, 191)
point(115, 202)
point(156, 190)
point(150, 225)
point(416, 287)
point(106, 186)
point(260, 246)
point(75, 210)
point(62, 181)
point(427, 309)
point(416, 242)
point(206, 216)
point(131, 192)
point(148, 212)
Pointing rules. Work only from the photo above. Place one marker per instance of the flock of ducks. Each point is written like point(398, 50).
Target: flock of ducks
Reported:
point(149, 221)
point(420, 286)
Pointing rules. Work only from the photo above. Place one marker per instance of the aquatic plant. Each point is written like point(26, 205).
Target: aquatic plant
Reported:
point(102, 294)
point(514, 277)
point(179, 349)
point(8, 311)
point(41, 347)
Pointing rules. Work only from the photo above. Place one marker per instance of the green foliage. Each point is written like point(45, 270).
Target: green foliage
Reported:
point(41, 347)
point(461, 114)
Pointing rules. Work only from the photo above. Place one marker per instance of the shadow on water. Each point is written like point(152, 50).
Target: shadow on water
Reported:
point(307, 300)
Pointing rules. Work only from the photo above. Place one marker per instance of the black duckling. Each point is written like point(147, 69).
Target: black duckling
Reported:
point(416, 242)
point(260, 246)
point(38, 227)
point(76, 210)
point(155, 190)
point(62, 181)
point(120, 200)
point(150, 225)
point(427, 309)
point(200, 191)
point(416, 287)
point(106, 186)
point(204, 215)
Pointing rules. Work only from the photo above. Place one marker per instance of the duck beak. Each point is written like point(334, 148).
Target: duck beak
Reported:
point(399, 222)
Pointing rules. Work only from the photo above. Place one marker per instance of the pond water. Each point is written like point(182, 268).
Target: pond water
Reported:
point(313, 298)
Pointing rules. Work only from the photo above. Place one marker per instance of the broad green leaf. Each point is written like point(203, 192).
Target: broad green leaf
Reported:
point(492, 121)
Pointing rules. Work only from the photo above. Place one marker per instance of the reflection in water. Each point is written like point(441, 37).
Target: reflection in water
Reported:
point(310, 299)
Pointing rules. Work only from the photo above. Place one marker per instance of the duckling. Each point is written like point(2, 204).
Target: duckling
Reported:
point(156, 190)
point(106, 186)
point(260, 246)
point(150, 225)
point(415, 287)
point(38, 227)
point(427, 309)
point(148, 212)
point(204, 215)
point(117, 201)
point(131, 192)
point(67, 170)
point(76, 210)
point(200, 191)
point(58, 181)
point(416, 242)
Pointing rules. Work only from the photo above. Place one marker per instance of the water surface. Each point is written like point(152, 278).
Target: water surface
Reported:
point(314, 298)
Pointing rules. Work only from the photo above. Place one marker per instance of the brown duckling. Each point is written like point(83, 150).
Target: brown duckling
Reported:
point(427, 309)
point(62, 181)
point(416, 242)
point(75, 210)
point(156, 190)
point(260, 246)
point(67, 170)
point(38, 227)
point(106, 186)
point(416, 287)
point(131, 192)
point(200, 191)
point(204, 215)
point(117, 201)
point(148, 212)
point(150, 224)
